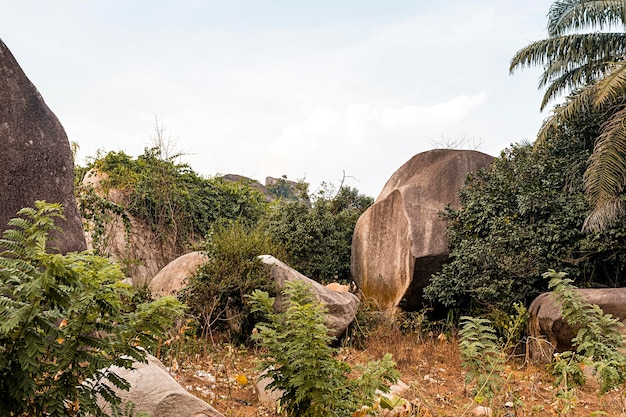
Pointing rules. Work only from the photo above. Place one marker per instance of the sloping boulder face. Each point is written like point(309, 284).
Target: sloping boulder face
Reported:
point(341, 305)
point(549, 332)
point(399, 242)
point(37, 162)
point(154, 391)
point(174, 277)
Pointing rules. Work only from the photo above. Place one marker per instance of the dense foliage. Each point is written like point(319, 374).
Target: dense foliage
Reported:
point(301, 363)
point(318, 239)
point(64, 320)
point(216, 293)
point(522, 217)
point(172, 198)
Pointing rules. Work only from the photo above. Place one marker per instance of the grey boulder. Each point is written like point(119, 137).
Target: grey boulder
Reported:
point(153, 390)
point(342, 306)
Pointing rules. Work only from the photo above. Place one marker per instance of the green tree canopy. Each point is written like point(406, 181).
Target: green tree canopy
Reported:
point(522, 217)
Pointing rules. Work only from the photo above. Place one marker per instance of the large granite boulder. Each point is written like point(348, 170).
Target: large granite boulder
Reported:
point(154, 391)
point(549, 332)
point(399, 242)
point(37, 161)
point(341, 305)
point(174, 277)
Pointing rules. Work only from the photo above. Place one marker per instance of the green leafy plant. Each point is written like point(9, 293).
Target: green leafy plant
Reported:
point(598, 341)
point(216, 292)
point(170, 197)
point(64, 321)
point(129, 410)
point(300, 362)
point(318, 239)
point(523, 216)
point(482, 357)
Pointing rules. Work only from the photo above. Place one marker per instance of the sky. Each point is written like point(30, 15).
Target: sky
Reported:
point(316, 90)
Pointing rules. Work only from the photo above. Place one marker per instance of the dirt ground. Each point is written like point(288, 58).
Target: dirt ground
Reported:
point(224, 376)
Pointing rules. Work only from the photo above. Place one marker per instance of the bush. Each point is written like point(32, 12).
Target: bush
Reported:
point(300, 361)
point(520, 218)
point(172, 198)
point(318, 239)
point(64, 320)
point(216, 293)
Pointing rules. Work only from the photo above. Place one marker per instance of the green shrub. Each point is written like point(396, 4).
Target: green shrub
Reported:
point(318, 239)
point(216, 293)
point(482, 357)
point(64, 320)
point(521, 217)
point(300, 361)
point(173, 199)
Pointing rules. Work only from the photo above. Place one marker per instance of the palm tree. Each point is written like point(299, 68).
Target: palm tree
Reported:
point(585, 55)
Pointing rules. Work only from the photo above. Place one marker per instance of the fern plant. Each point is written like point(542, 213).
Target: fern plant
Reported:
point(129, 410)
point(64, 321)
point(598, 341)
point(482, 357)
point(300, 361)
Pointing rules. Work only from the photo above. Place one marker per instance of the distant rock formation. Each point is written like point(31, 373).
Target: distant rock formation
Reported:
point(399, 242)
point(273, 189)
point(37, 162)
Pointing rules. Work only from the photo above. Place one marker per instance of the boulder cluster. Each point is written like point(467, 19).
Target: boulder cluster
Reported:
point(398, 243)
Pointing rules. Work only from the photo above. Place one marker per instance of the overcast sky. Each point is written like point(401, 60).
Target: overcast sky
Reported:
point(307, 89)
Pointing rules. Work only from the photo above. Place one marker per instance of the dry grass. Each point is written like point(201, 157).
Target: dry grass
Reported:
point(429, 363)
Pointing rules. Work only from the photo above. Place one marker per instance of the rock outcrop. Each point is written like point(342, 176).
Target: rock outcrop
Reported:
point(154, 391)
point(37, 161)
point(549, 332)
point(342, 306)
point(174, 277)
point(143, 251)
point(399, 242)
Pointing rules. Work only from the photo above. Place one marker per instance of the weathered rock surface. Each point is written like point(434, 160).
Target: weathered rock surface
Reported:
point(174, 277)
point(37, 162)
point(549, 332)
point(153, 390)
point(143, 251)
point(399, 242)
point(342, 306)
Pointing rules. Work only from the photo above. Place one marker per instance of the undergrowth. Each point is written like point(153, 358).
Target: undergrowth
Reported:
point(300, 362)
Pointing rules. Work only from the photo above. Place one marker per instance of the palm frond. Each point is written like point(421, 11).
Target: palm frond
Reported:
point(605, 176)
point(612, 87)
point(580, 102)
point(572, 50)
point(570, 15)
point(571, 80)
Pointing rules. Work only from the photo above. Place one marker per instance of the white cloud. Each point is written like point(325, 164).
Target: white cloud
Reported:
point(358, 124)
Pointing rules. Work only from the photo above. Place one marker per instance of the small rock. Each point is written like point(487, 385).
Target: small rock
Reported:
point(481, 410)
